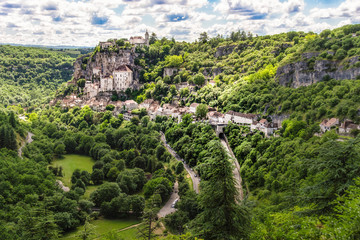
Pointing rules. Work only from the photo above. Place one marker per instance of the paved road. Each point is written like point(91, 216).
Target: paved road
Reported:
point(27, 140)
point(236, 171)
point(195, 180)
point(167, 209)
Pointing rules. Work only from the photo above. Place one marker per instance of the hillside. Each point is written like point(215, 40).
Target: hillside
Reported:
point(34, 72)
point(98, 161)
point(243, 73)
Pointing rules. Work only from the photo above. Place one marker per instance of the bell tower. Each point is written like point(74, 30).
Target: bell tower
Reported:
point(147, 38)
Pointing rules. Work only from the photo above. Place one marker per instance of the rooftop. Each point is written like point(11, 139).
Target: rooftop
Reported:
point(123, 68)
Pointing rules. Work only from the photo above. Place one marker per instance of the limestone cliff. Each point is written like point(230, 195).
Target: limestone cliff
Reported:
point(104, 63)
point(307, 72)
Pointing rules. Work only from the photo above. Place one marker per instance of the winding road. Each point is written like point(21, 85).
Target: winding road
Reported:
point(167, 209)
point(236, 170)
point(195, 180)
point(27, 140)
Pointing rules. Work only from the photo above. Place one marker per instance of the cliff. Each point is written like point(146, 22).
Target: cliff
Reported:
point(309, 71)
point(104, 63)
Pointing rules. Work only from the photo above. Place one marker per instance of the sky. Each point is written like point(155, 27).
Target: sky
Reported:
point(86, 22)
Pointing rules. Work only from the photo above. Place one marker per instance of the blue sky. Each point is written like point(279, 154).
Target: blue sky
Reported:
point(86, 22)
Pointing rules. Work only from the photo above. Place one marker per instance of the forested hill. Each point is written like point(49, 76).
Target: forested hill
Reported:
point(29, 76)
point(256, 74)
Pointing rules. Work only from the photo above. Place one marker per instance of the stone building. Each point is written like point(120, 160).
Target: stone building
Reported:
point(120, 80)
point(106, 45)
point(106, 83)
point(193, 107)
point(139, 40)
point(91, 89)
point(326, 124)
point(123, 77)
point(240, 118)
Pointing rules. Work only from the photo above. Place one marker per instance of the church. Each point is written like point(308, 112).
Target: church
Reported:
point(120, 80)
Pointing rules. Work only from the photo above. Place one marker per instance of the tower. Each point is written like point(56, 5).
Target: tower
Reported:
point(147, 38)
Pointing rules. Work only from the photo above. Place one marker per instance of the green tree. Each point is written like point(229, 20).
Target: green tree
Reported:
point(105, 193)
point(203, 37)
point(60, 150)
point(223, 217)
point(201, 111)
point(179, 168)
point(81, 82)
point(87, 232)
point(199, 79)
point(146, 230)
point(97, 176)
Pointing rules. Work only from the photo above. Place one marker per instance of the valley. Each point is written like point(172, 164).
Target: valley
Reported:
point(226, 137)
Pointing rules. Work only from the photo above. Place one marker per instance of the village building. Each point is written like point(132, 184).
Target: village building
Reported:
point(91, 89)
point(146, 104)
point(168, 109)
point(215, 117)
point(193, 107)
point(121, 80)
point(347, 126)
point(152, 110)
point(106, 84)
point(130, 105)
point(327, 124)
point(106, 45)
point(240, 118)
point(268, 128)
point(123, 77)
point(140, 41)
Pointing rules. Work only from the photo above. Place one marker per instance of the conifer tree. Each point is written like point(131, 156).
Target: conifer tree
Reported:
point(223, 217)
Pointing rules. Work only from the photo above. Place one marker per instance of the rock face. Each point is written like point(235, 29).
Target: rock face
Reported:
point(224, 50)
point(104, 63)
point(304, 73)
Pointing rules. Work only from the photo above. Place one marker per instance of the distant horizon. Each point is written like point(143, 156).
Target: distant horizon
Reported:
point(86, 22)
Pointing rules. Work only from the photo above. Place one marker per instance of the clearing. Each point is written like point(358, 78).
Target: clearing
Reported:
point(105, 226)
point(70, 162)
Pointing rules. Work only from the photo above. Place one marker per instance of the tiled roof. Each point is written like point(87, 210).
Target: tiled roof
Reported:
point(123, 68)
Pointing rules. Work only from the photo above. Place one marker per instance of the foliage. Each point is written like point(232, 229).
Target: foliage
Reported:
point(35, 72)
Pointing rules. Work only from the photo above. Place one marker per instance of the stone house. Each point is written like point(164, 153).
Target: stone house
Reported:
point(106, 45)
point(106, 84)
point(153, 109)
point(91, 89)
point(347, 126)
point(268, 128)
point(193, 107)
point(240, 118)
point(120, 80)
point(130, 105)
point(123, 77)
point(216, 117)
point(326, 124)
point(146, 104)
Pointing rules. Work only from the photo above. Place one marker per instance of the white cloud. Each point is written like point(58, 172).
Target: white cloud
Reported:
point(69, 22)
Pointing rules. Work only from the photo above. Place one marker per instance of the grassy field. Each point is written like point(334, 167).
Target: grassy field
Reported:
point(89, 190)
point(71, 162)
point(105, 226)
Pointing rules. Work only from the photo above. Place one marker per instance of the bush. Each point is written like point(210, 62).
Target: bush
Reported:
point(340, 54)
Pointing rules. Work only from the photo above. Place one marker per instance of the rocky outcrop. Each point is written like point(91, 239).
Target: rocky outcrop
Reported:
point(104, 63)
point(304, 73)
point(224, 50)
point(170, 71)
